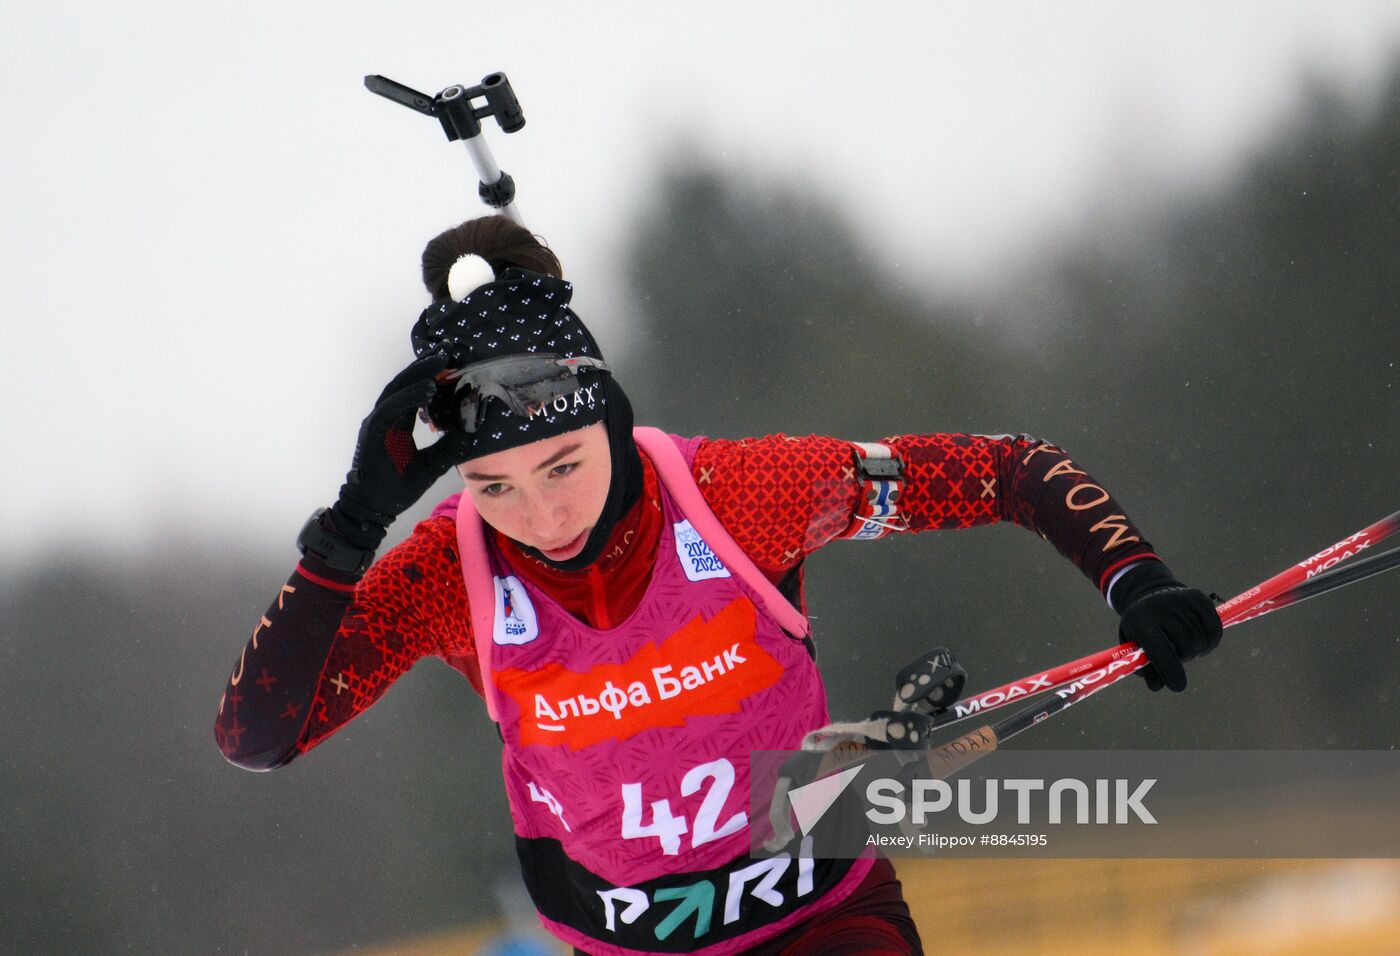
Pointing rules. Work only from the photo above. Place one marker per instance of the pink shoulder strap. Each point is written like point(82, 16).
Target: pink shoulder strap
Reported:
point(481, 593)
point(675, 473)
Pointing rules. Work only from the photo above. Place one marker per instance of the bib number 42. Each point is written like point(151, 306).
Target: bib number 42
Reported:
point(668, 828)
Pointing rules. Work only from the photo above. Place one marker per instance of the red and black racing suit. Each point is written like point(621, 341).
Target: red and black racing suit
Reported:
point(330, 645)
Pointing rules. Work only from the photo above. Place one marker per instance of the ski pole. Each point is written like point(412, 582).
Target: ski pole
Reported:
point(1298, 583)
point(1330, 581)
point(957, 754)
point(462, 121)
point(1257, 601)
point(837, 745)
point(1282, 590)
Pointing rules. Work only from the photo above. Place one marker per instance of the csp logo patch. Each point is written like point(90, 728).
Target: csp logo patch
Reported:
point(515, 615)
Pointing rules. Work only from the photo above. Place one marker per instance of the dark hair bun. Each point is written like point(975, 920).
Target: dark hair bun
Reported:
point(502, 242)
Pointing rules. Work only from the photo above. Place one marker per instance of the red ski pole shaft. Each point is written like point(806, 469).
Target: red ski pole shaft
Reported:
point(1271, 595)
point(956, 754)
point(1255, 601)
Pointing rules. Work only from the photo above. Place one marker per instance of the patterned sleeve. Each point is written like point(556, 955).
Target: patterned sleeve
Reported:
point(329, 647)
point(783, 498)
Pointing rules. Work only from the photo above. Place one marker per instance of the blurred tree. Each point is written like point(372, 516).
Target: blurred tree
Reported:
point(759, 305)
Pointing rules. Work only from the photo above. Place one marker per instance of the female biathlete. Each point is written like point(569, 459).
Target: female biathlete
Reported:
point(630, 605)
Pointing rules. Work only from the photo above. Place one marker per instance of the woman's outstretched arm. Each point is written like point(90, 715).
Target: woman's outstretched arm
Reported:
point(783, 498)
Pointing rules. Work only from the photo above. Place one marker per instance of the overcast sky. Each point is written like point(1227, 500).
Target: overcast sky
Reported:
point(212, 229)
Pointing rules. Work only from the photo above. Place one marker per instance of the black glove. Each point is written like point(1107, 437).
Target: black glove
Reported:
point(1168, 620)
point(389, 471)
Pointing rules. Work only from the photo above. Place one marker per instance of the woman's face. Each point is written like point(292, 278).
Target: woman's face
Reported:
point(548, 494)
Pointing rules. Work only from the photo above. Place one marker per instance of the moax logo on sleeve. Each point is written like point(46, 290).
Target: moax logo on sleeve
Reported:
point(515, 615)
point(697, 559)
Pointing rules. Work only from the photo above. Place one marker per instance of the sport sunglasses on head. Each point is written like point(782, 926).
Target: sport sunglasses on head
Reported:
point(525, 383)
